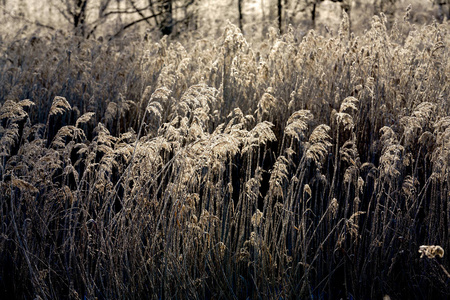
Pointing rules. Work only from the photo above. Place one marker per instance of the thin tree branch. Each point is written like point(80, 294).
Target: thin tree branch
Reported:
point(153, 11)
point(145, 19)
point(140, 12)
point(118, 12)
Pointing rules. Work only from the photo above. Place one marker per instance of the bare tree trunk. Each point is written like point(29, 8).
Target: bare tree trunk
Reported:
point(240, 14)
point(79, 16)
point(103, 6)
point(313, 15)
point(280, 13)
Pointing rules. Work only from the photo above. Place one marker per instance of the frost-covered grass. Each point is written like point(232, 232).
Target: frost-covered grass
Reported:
point(311, 168)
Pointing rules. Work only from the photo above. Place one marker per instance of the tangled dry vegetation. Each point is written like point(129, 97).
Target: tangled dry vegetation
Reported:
point(306, 168)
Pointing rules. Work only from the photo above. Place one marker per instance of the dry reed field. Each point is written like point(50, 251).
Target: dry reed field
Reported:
point(300, 167)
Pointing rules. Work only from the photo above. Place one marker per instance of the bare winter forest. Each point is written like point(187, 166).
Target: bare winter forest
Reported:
point(236, 149)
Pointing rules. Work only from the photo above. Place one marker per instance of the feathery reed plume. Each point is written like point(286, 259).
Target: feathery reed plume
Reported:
point(297, 124)
point(257, 218)
point(349, 103)
point(259, 135)
point(9, 139)
point(12, 111)
point(85, 118)
point(59, 106)
point(417, 122)
point(431, 251)
point(23, 185)
point(278, 175)
point(158, 103)
point(319, 141)
point(391, 162)
point(67, 134)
